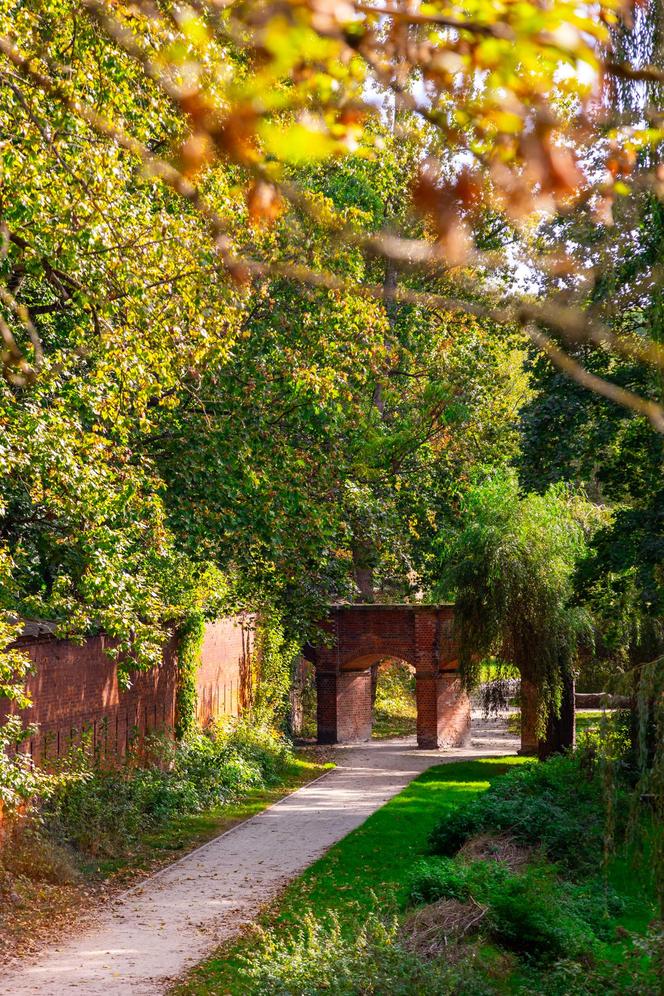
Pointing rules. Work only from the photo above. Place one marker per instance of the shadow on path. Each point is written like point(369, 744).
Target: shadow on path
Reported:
point(155, 932)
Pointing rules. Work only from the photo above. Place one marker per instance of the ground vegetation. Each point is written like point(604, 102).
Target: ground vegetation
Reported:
point(380, 913)
point(304, 301)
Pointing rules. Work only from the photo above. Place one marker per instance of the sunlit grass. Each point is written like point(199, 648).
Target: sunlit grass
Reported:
point(366, 870)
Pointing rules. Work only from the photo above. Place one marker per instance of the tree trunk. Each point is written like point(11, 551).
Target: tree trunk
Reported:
point(561, 729)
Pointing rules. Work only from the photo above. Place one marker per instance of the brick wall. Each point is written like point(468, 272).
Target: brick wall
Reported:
point(224, 677)
point(75, 689)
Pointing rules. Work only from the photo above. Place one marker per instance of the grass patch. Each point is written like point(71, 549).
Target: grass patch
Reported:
point(368, 868)
point(388, 723)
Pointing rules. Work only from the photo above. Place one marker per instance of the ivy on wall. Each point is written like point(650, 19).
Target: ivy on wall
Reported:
point(271, 668)
point(190, 641)
point(274, 657)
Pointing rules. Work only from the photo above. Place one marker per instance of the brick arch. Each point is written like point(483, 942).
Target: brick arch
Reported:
point(363, 661)
point(361, 635)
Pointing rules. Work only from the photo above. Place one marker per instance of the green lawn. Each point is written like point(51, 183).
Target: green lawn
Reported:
point(368, 868)
point(391, 722)
point(369, 871)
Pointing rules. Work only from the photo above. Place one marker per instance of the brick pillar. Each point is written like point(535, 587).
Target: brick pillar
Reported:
point(443, 711)
point(529, 706)
point(326, 707)
point(443, 708)
point(354, 706)
point(343, 706)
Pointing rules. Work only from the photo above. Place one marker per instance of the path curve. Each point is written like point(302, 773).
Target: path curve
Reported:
point(153, 933)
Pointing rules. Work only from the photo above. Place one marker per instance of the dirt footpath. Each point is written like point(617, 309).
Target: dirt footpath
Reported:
point(152, 934)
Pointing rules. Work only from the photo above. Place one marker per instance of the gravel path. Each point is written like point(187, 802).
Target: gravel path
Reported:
point(152, 934)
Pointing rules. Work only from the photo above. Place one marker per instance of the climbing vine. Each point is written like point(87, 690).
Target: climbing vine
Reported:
point(19, 781)
point(274, 656)
point(190, 641)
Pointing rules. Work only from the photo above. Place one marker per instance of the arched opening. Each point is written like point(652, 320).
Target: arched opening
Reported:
point(358, 637)
point(394, 703)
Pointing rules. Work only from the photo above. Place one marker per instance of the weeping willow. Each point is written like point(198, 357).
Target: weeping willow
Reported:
point(511, 567)
point(638, 280)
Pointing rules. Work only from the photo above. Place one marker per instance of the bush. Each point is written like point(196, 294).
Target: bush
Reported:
point(534, 914)
point(529, 914)
point(20, 782)
point(597, 903)
point(636, 971)
point(555, 804)
point(100, 810)
point(321, 959)
point(444, 878)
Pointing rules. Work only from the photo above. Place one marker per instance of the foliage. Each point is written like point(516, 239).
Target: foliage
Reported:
point(103, 809)
point(394, 711)
point(636, 971)
point(20, 782)
point(194, 444)
point(321, 958)
point(509, 103)
point(520, 918)
point(510, 566)
point(190, 641)
point(432, 879)
point(576, 438)
point(519, 906)
point(555, 805)
point(275, 656)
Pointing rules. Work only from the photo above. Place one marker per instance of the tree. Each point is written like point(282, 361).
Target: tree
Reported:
point(510, 568)
point(512, 101)
point(180, 424)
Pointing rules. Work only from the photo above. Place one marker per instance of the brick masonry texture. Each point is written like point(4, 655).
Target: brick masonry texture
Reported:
point(362, 635)
point(75, 691)
point(224, 677)
point(353, 707)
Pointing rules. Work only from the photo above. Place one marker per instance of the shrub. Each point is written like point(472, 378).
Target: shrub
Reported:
point(555, 804)
point(101, 809)
point(20, 782)
point(321, 959)
point(597, 903)
point(534, 914)
point(636, 971)
point(444, 878)
point(528, 914)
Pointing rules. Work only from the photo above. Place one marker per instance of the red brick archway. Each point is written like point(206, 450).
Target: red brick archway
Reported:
point(362, 635)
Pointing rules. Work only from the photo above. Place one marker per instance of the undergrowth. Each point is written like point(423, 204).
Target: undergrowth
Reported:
point(322, 959)
point(559, 805)
point(101, 808)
